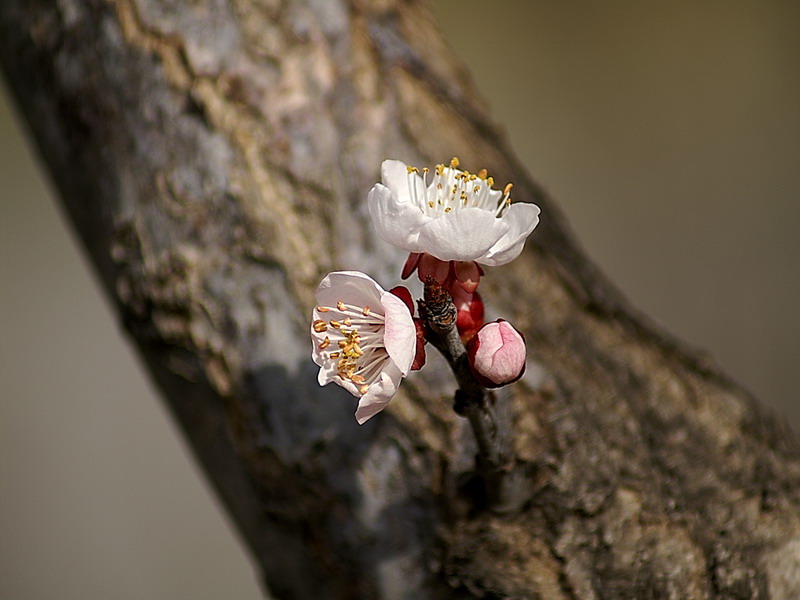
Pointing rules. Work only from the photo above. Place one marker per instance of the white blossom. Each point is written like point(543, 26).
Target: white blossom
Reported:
point(364, 339)
point(457, 216)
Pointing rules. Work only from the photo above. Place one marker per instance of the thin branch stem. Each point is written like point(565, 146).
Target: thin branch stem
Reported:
point(507, 488)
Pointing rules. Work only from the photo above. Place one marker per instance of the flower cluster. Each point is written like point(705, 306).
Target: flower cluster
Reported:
point(451, 222)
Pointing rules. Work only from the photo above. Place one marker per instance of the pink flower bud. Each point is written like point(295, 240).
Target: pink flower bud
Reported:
point(497, 354)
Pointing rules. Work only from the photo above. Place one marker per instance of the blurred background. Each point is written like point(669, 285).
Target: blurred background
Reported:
point(668, 132)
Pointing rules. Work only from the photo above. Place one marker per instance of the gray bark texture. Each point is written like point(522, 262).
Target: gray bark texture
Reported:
point(215, 155)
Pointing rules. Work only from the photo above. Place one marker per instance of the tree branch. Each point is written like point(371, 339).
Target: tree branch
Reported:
point(215, 157)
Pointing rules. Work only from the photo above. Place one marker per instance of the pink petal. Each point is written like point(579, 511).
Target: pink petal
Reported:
point(352, 287)
point(404, 295)
point(380, 392)
point(399, 334)
point(497, 354)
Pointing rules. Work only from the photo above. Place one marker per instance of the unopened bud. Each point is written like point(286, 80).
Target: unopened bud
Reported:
point(497, 354)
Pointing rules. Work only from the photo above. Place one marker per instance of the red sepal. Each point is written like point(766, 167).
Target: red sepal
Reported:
point(467, 274)
point(404, 295)
point(430, 266)
point(411, 265)
point(470, 316)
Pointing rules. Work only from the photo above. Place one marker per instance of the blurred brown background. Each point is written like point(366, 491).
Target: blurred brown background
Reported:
point(669, 133)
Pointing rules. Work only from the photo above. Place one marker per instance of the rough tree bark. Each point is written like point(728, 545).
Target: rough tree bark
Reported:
point(214, 156)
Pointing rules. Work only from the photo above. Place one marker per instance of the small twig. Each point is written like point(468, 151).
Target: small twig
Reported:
point(506, 487)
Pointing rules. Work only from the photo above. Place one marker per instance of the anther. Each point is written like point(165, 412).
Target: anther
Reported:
point(483, 174)
point(319, 326)
point(340, 305)
point(365, 311)
point(323, 309)
point(357, 379)
point(325, 343)
point(363, 389)
point(336, 324)
point(454, 162)
point(507, 189)
point(347, 321)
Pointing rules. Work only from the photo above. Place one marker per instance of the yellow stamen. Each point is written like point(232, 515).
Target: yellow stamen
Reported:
point(347, 321)
point(454, 162)
point(363, 389)
point(365, 311)
point(325, 343)
point(319, 326)
point(323, 309)
point(483, 174)
point(507, 189)
point(448, 209)
point(334, 355)
point(340, 305)
point(336, 324)
point(357, 379)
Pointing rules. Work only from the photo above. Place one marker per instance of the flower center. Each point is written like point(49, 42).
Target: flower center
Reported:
point(355, 335)
point(452, 189)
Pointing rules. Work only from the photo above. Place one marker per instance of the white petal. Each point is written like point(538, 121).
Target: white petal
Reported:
point(316, 339)
point(522, 218)
point(405, 187)
point(379, 394)
point(464, 234)
point(397, 222)
point(400, 333)
point(352, 287)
